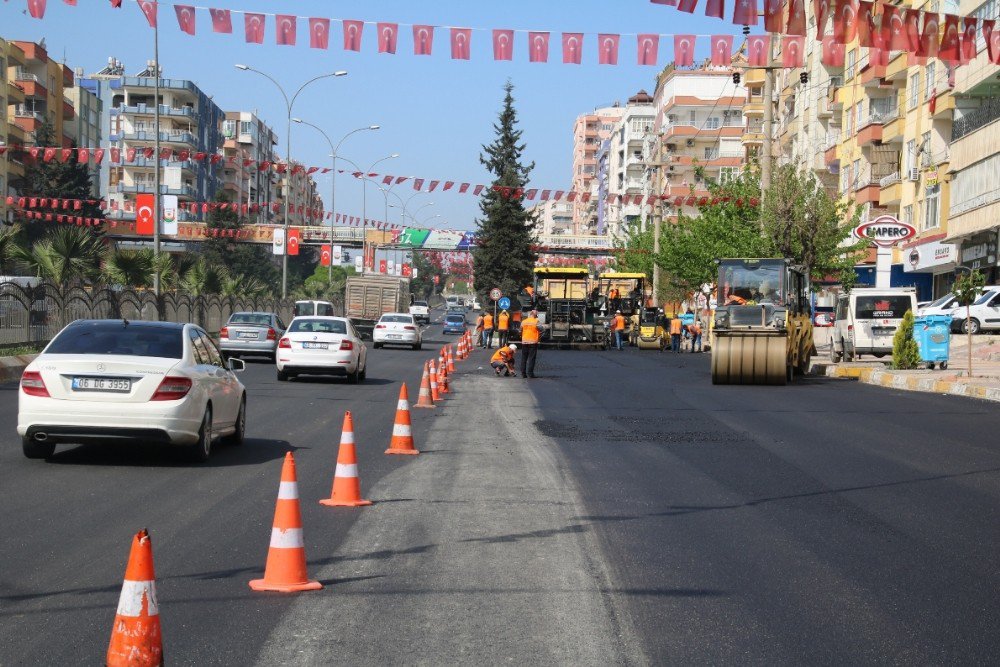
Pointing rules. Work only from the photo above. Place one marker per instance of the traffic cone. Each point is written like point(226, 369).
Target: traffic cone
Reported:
point(443, 375)
point(435, 394)
point(402, 434)
point(136, 640)
point(451, 360)
point(285, 570)
point(424, 397)
point(346, 483)
point(459, 352)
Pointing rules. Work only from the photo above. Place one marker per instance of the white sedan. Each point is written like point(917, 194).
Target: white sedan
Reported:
point(127, 381)
point(397, 329)
point(322, 346)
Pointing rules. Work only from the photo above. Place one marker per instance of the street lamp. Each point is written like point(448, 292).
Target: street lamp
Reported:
point(364, 218)
point(414, 214)
point(289, 102)
point(333, 172)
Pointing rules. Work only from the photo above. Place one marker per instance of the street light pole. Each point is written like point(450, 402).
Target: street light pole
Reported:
point(364, 214)
point(156, 163)
point(288, 150)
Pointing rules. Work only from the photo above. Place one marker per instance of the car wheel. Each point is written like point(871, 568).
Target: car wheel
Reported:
point(37, 450)
point(416, 346)
point(282, 376)
point(834, 355)
point(848, 354)
point(364, 373)
point(238, 436)
point(200, 450)
point(970, 326)
point(376, 345)
point(352, 378)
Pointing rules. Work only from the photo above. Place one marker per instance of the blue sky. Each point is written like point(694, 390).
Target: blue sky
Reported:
point(435, 112)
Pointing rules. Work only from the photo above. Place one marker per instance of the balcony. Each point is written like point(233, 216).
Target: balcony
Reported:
point(890, 189)
point(893, 130)
point(823, 107)
point(897, 68)
point(869, 133)
point(944, 107)
point(147, 188)
point(69, 113)
point(165, 84)
point(632, 184)
point(872, 74)
point(181, 137)
point(186, 113)
point(150, 163)
point(988, 112)
point(867, 192)
point(15, 95)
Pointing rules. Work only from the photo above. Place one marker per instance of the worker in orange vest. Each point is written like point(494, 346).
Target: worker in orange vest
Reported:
point(530, 335)
point(695, 331)
point(479, 330)
point(618, 328)
point(503, 360)
point(488, 330)
point(503, 326)
point(614, 298)
point(676, 329)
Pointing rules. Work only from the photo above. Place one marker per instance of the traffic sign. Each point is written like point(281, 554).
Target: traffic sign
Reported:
point(504, 303)
point(495, 293)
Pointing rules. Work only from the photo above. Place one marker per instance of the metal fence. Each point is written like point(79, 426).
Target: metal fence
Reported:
point(36, 314)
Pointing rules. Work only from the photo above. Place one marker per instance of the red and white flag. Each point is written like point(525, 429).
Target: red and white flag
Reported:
point(833, 53)
point(687, 6)
point(116, 155)
point(929, 36)
point(352, 35)
point(722, 50)
point(325, 255)
point(423, 40)
point(319, 33)
point(796, 18)
point(222, 21)
point(503, 45)
point(774, 15)
point(745, 12)
point(992, 38)
point(538, 47)
point(36, 9)
point(845, 21)
point(418, 184)
point(684, 50)
point(648, 46)
point(715, 8)
point(65, 154)
point(388, 33)
point(185, 18)
point(83, 155)
point(893, 29)
point(130, 154)
point(758, 50)
point(792, 51)
point(867, 29)
point(253, 24)
point(821, 9)
point(951, 47)
point(572, 48)
point(294, 236)
point(607, 48)
point(969, 39)
point(463, 188)
point(148, 8)
point(284, 29)
point(461, 43)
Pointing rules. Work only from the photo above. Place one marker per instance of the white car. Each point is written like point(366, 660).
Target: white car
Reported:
point(421, 311)
point(983, 314)
point(397, 329)
point(322, 346)
point(120, 380)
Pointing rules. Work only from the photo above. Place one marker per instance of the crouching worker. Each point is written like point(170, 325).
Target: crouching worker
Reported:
point(503, 361)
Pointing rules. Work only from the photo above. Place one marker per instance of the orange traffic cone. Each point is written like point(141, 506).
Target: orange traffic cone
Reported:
point(285, 570)
point(402, 434)
point(443, 375)
point(435, 394)
point(346, 483)
point(136, 640)
point(458, 348)
point(424, 399)
point(451, 360)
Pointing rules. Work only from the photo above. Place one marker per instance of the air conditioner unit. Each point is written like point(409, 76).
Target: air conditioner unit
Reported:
point(914, 174)
point(690, 142)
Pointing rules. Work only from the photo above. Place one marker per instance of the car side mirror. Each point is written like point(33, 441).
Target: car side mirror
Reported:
point(236, 365)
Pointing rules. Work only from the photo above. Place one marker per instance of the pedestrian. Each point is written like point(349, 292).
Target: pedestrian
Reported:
point(488, 330)
point(530, 336)
point(618, 328)
point(676, 329)
point(695, 330)
point(503, 327)
point(503, 360)
point(479, 330)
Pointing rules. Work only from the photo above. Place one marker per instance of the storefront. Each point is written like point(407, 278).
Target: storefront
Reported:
point(936, 258)
point(979, 253)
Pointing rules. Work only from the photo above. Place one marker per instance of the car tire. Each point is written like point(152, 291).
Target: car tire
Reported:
point(848, 354)
point(834, 355)
point(282, 376)
point(969, 325)
point(238, 436)
point(377, 345)
point(353, 378)
point(201, 450)
point(364, 373)
point(417, 346)
point(37, 450)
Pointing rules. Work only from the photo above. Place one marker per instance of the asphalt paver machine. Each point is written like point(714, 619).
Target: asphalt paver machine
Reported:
point(566, 309)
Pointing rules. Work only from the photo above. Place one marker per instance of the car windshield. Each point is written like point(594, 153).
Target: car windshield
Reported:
point(251, 318)
point(115, 337)
point(454, 319)
point(750, 282)
point(420, 303)
point(399, 319)
point(986, 296)
point(318, 326)
point(940, 303)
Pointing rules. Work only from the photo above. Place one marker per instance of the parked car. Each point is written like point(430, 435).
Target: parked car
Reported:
point(454, 323)
point(421, 311)
point(396, 329)
point(121, 380)
point(942, 306)
point(251, 334)
point(322, 346)
point(984, 313)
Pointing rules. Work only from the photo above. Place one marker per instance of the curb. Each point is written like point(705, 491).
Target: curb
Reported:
point(902, 380)
point(12, 367)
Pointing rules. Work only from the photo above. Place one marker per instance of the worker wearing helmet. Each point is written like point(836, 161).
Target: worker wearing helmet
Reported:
point(618, 328)
point(503, 360)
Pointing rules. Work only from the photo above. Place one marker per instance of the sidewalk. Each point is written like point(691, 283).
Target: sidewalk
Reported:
point(984, 384)
point(12, 367)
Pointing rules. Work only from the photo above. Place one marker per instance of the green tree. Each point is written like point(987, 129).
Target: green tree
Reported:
point(239, 257)
point(905, 352)
point(128, 267)
point(423, 285)
point(503, 256)
point(66, 255)
point(10, 239)
point(634, 252)
point(202, 278)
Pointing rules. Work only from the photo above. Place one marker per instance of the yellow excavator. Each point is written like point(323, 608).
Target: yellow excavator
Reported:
point(763, 331)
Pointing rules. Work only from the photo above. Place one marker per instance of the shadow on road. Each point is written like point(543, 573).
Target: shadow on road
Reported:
point(253, 452)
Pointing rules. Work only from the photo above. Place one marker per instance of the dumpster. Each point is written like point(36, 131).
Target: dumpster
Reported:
point(933, 336)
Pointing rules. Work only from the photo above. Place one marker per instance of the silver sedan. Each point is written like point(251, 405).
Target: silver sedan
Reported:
point(251, 334)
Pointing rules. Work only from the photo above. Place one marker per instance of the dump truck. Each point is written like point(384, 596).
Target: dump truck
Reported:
point(368, 297)
point(763, 332)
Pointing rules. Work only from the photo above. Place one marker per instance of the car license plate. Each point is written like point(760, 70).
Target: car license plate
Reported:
point(315, 346)
point(394, 337)
point(122, 385)
point(246, 334)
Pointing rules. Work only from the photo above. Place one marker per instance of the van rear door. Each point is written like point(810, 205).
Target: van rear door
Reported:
point(876, 318)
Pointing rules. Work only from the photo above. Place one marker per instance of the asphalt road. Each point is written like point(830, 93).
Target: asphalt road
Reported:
point(617, 510)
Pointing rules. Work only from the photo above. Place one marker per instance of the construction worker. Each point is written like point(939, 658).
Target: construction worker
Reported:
point(479, 330)
point(503, 326)
point(530, 335)
point(676, 330)
point(530, 291)
point(615, 298)
point(488, 330)
point(502, 360)
point(618, 328)
point(695, 331)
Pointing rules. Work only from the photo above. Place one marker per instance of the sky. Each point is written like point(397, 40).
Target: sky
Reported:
point(435, 112)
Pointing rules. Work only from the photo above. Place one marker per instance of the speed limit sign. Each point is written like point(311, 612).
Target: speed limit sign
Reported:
point(495, 293)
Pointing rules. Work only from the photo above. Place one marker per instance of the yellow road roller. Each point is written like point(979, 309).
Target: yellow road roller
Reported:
point(762, 331)
point(652, 334)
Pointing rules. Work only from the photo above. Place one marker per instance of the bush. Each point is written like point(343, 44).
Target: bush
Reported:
point(905, 353)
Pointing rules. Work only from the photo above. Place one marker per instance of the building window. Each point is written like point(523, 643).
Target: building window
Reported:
point(931, 199)
point(245, 127)
point(914, 90)
point(229, 129)
point(908, 214)
point(929, 87)
point(727, 174)
point(852, 57)
point(692, 117)
point(712, 123)
point(858, 110)
point(910, 159)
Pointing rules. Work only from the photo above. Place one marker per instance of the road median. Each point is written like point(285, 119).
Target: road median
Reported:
point(937, 382)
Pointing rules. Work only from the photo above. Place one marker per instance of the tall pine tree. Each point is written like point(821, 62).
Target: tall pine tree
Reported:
point(503, 256)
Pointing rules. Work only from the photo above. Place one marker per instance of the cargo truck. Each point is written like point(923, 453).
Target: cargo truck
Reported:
point(367, 298)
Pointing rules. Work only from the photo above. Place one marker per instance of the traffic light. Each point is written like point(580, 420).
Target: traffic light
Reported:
point(803, 77)
point(736, 78)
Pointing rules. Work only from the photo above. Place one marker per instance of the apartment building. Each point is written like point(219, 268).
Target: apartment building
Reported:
point(84, 130)
point(555, 218)
point(305, 206)
point(11, 134)
point(44, 83)
point(189, 121)
point(247, 137)
point(624, 167)
point(589, 131)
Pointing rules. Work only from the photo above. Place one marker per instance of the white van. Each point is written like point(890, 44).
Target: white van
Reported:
point(314, 309)
point(866, 321)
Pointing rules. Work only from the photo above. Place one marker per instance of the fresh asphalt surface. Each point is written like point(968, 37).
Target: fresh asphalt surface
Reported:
point(619, 509)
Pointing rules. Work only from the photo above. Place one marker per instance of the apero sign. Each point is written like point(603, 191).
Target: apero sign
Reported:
point(885, 231)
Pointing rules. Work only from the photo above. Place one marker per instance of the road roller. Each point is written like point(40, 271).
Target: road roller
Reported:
point(762, 332)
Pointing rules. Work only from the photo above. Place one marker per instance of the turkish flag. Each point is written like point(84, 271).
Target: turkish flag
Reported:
point(319, 33)
point(254, 26)
point(929, 37)
point(503, 45)
point(166, 153)
point(758, 50)
point(845, 21)
point(147, 152)
point(572, 47)
point(36, 8)
point(745, 12)
point(607, 48)
point(893, 29)
point(538, 47)
point(833, 53)
point(284, 29)
point(715, 8)
point(149, 9)
point(687, 6)
point(65, 154)
point(387, 34)
point(867, 30)
point(684, 50)
point(352, 35)
point(969, 40)
point(821, 8)
point(792, 51)
point(461, 42)
point(48, 154)
point(382, 266)
point(418, 184)
point(116, 155)
point(992, 38)
point(83, 155)
point(222, 21)
point(911, 30)
point(648, 48)
point(796, 18)
point(325, 255)
point(407, 271)
point(951, 48)
point(774, 17)
point(423, 40)
point(722, 50)
point(185, 18)
point(145, 219)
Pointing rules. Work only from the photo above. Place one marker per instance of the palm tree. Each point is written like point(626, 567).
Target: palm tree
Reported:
point(9, 240)
point(163, 264)
point(240, 285)
point(128, 267)
point(201, 279)
point(65, 255)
